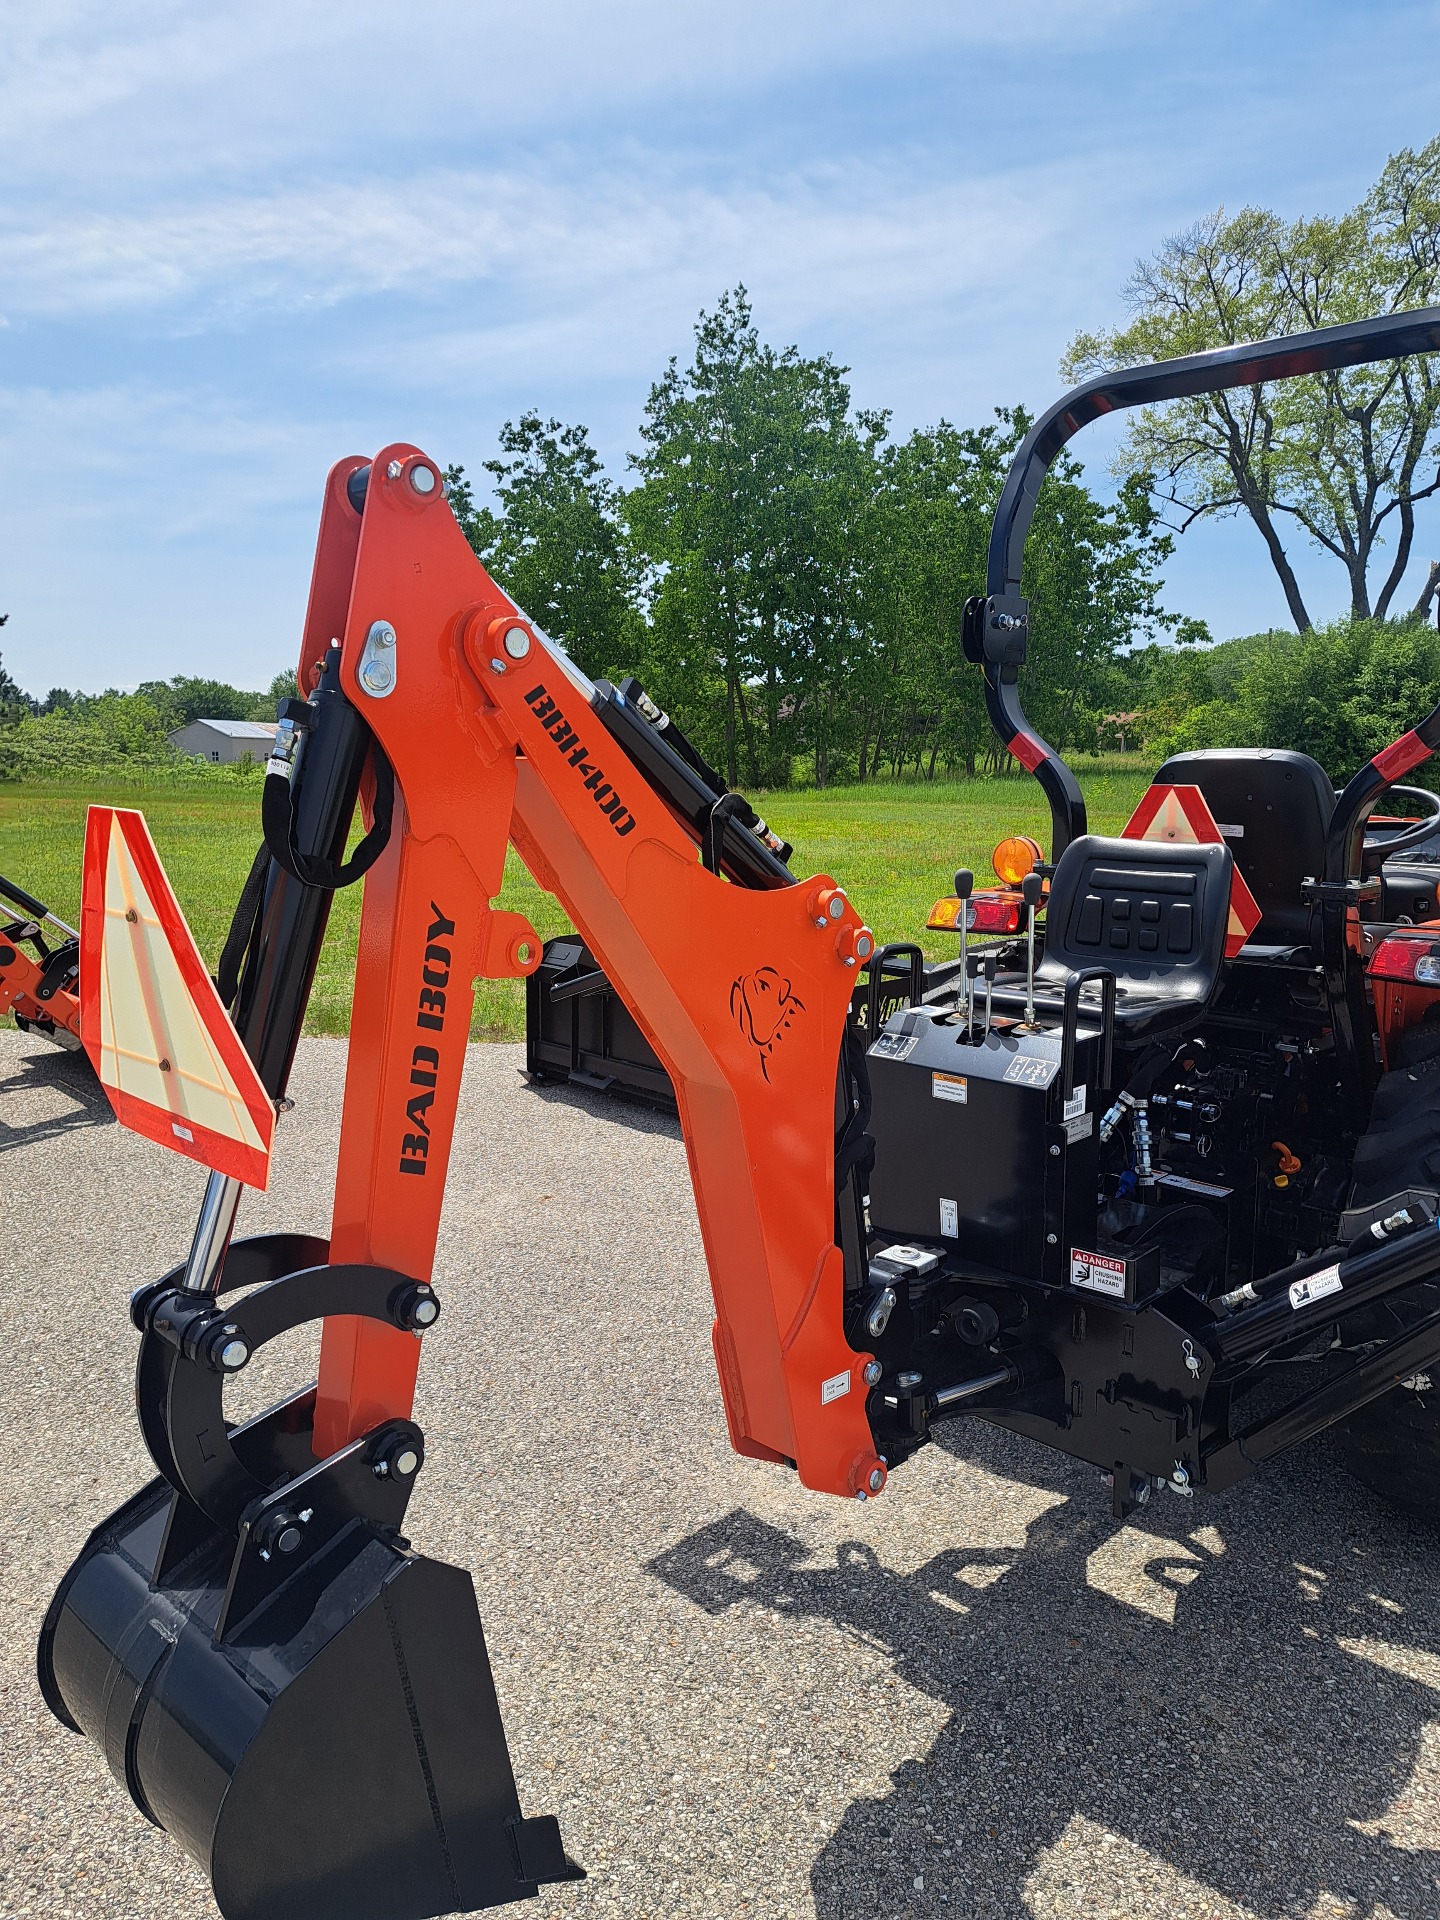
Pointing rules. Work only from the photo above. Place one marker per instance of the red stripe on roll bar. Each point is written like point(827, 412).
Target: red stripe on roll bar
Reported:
point(1031, 754)
point(1406, 752)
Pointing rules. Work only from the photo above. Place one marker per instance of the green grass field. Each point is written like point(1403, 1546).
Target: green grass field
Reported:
point(893, 847)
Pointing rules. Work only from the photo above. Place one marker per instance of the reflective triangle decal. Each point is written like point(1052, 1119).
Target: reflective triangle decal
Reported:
point(1182, 815)
point(162, 1044)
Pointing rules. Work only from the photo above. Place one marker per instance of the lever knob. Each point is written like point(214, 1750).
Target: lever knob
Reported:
point(964, 883)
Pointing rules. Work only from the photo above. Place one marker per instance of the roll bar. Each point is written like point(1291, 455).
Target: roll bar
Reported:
point(997, 628)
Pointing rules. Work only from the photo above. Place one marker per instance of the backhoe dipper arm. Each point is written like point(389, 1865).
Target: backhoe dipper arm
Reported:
point(742, 991)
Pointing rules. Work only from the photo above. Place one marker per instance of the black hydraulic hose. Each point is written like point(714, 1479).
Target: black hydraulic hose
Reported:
point(26, 902)
point(1322, 1291)
point(274, 987)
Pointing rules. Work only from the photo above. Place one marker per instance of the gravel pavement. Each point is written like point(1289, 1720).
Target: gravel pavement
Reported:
point(976, 1696)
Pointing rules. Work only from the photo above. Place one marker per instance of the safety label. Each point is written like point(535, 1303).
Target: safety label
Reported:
point(1315, 1286)
point(835, 1388)
point(1098, 1272)
point(1075, 1105)
point(1026, 1070)
point(950, 1219)
point(895, 1046)
point(949, 1086)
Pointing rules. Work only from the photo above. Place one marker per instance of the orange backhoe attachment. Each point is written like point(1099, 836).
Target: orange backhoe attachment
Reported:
point(274, 1674)
point(742, 993)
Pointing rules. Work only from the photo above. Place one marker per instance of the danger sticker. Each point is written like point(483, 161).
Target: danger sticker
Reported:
point(950, 1086)
point(1315, 1286)
point(1098, 1272)
point(835, 1388)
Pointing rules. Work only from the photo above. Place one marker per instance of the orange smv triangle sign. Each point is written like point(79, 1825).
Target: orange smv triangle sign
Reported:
point(1181, 814)
point(172, 1065)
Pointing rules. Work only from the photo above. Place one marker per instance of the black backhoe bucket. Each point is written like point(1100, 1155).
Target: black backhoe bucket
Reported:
point(338, 1755)
point(272, 1673)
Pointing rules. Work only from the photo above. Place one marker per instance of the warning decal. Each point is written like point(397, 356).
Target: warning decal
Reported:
point(1098, 1272)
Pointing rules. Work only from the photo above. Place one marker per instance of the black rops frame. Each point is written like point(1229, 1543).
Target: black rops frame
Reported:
point(997, 629)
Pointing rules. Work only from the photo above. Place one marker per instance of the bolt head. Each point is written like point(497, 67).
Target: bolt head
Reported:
point(233, 1355)
point(1051, 1240)
point(422, 478)
point(426, 1311)
point(497, 666)
point(873, 1371)
point(907, 1382)
point(377, 676)
point(877, 1479)
point(395, 469)
point(864, 946)
point(517, 642)
point(1055, 1152)
point(837, 906)
point(861, 1494)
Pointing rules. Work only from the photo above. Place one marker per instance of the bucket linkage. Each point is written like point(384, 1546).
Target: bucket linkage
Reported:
point(273, 1674)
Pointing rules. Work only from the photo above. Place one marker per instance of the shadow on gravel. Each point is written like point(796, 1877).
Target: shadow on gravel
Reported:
point(604, 1105)
point(49, 1092)
point(1214, 1685)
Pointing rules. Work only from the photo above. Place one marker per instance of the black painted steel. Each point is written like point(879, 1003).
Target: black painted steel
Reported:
point(339, 1756)
point(1365, 1380)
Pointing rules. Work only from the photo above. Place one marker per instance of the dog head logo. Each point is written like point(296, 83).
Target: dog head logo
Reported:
point(764, 1007)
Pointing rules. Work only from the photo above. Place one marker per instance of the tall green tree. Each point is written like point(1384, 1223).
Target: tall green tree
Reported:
point(1341, 458)
point(555, 538)
point(751, 487)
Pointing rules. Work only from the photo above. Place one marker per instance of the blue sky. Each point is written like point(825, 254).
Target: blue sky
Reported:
point(237, 243)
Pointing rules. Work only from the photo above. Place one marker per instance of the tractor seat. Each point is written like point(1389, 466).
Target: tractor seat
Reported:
point(1274, 810)
point(1152, 912)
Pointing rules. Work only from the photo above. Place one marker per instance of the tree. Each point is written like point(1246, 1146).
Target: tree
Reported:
point(752, 484)
point(15, 703)
point(557, 543)
point(1344, 456)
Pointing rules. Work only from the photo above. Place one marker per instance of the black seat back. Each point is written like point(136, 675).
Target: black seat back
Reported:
point(1274, 809)
point(1155, 913)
